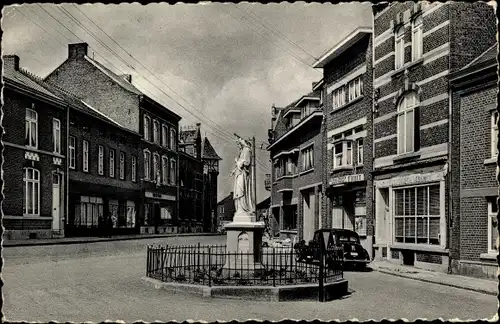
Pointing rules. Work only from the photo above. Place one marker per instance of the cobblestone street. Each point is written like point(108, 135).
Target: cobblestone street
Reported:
point(100, 281)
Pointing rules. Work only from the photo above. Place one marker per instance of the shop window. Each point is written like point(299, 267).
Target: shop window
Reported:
point(31, 201)
point(113, 208)
point(417, 215)
point(166, 212)
point(89, 212)
point(492, 226)
point(407, 123)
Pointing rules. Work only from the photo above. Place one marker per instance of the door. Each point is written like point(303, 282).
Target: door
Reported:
point(308, 214)
point(56, 201)
point(382, 215)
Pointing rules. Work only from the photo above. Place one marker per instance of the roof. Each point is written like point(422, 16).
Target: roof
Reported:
point(264, 203)
point(342, 46)
point(486, 60)
point(120, 80)
point(208, 152)
point(187, 136)
point(490, 54)
point(27, 80)
point(230, 196)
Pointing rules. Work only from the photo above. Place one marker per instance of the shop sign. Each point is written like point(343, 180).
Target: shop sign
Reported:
point(347, 179)
point(157, 195)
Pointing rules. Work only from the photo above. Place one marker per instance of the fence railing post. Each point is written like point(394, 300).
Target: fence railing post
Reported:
point(321, 275)
point(274, 267)
point(161, 258)
point(147, 261)
point(209, 267)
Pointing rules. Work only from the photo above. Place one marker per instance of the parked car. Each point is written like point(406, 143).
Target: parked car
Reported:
point(329, 242)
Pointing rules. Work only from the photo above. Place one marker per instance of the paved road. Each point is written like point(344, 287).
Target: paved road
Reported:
point(103, 281)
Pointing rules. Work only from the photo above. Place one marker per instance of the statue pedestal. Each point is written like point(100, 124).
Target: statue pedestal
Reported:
point(244, 239)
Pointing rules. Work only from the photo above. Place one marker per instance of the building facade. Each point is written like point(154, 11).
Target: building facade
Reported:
point(415, 47)
point(474, 227)
point(296, 153)
point(225, 211)
point(117, 98)
point(210, 160)
point(34, 169)
point(347, 89)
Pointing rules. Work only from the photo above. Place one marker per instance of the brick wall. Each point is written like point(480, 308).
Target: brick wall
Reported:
point(473, 228)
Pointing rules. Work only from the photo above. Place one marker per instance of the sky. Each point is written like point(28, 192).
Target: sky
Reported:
point(223, 65)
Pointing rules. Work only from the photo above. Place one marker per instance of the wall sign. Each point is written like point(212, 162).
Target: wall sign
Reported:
point(347, 179)
point(156, 195)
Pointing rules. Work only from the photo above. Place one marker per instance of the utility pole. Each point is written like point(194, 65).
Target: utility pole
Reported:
point(254, 176)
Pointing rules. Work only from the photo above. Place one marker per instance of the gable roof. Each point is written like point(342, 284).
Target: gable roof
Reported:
point(27, 80)
point(223, 200)
point(486, 61)
point(264, 203)
point(489, 54)
point(208, 152)
point(120, 80)
point(188, 135)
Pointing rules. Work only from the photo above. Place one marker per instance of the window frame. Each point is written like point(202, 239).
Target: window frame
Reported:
point(173, 141)
point(100, 160)
point(494, 133)
point(133, 162)
point(307, 158)
point(147, 164)
point(35, 191)
point(146, 128)
point(338, 97)
point(491, 215)
point(164, 135)
point(345, 155)
point(156, 166)
point(72, 152)
point(29, 123)
point(173, 171)
point(399, 47)
point(165, 172)
point(112, 165)
point(122, 166)
point(56, 135)
point(404, 109)
point(156, 131)
point(355, 88)
point(359, 151)
point(85, 155)
point(417, 40)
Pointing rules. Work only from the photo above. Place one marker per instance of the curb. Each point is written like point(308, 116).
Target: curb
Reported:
point(402, 275)
point(13, 243)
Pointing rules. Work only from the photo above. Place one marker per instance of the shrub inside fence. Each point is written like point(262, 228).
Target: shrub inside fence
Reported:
point(214, 265)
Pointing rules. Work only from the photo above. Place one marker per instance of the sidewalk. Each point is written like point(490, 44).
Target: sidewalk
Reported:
point(484, 286)
point(79, 240)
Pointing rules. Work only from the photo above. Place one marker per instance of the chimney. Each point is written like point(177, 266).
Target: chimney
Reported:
point(127, 77)
point(198, 125)
point(77, 50)
point(10, 62)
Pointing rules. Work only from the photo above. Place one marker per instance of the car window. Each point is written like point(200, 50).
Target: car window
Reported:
point(348, 238)
point(325, 237)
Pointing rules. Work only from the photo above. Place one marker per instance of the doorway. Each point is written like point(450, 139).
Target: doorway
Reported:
point(308, 214)
point(56, 201)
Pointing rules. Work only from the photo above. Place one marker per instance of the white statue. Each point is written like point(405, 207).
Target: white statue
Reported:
point(242, 191)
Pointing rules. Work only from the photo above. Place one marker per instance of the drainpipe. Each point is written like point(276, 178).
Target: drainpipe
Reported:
point(449, 223)
point(66, 182)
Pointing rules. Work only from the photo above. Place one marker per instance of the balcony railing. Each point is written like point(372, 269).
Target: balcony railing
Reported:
point(284, 183)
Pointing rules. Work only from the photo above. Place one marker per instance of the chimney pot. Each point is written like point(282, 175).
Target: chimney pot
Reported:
point(78, 50)
point(10, 62)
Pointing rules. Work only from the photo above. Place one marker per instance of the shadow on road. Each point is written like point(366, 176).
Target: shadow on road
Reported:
point(357, 269)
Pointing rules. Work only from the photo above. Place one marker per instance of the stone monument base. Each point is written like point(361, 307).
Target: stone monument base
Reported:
point(243, 246)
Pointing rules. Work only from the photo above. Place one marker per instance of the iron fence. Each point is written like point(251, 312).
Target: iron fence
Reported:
point(214, 265)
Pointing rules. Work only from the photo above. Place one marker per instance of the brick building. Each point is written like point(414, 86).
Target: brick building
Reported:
point(296, 148)
point(225, 210)
point(116, 97)
point(210, 160)
point(34, 169)
point(474, 236)
point(416, 46)
point(347, 155)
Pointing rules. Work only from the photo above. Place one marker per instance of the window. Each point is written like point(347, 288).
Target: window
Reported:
point(164, 169)
point(122, 165)
point(31, 139)
point(492, 226)
point(308, 158)
point(166, 212)
point(147, 121)
point(417, 215)
point(72, 152)
point(130, 214)
point(416, 38)
point(277, 168)
point(147, 164)
point(338, 98)
point(31, 201)
point(89, 211)
point(156, 169)
point(164, 135)
point(355, 88)
point(399, 50)
point(173, 142)
point(56, 135)
point(134, 168)
point(85, 164)
point(342, 153)
point(156, 132)
point(494, 134)
point(111, 163)
point(291, 164)
point(173, 169)
point(100, 160)
point(406, 123)
point(359, 145)
point(321, 97)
